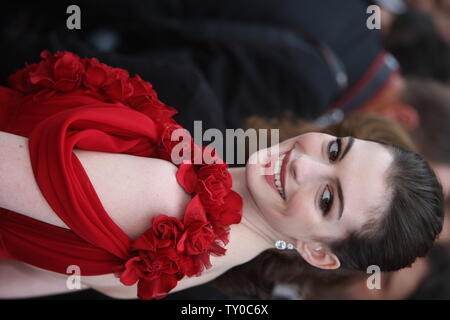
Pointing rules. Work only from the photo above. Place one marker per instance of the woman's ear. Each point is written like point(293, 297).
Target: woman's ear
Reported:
point(318, 255)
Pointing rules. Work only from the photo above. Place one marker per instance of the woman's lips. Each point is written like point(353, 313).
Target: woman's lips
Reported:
point(271, 181)
point(284, 170)
point(270, 178)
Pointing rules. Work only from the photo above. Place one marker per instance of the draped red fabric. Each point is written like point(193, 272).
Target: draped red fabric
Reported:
point(62, 103)
point(94, 242)
point(65, 102)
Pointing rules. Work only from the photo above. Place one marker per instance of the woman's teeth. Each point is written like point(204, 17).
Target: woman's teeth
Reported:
point(277, 175)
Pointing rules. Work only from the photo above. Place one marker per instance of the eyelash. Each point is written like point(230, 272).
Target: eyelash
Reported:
point(326, 203)
point(338, 142)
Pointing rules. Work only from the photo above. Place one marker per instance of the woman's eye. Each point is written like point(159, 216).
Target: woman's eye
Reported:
point(334, 148)
point(326, 201)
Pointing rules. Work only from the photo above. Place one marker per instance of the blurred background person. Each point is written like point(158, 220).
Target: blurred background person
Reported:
point(420, 48)
point(228, 59)
point(422, 108)
point(439, 10)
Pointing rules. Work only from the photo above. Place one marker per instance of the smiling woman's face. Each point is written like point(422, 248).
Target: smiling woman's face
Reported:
point(329, 185)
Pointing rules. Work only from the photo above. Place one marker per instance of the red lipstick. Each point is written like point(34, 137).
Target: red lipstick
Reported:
point(283, 170)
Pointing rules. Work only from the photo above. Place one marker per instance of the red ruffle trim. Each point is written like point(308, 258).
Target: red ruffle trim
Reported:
point(171, 248)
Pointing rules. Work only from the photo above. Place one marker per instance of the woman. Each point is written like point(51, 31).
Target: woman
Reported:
point(253, 280)
point(68, 109)
point(422, 279)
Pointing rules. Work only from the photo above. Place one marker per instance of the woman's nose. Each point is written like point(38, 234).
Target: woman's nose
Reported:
point(306, 168)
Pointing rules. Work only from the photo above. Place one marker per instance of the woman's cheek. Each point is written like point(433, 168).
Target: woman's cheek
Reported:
point(301, 219)
point(297, 208)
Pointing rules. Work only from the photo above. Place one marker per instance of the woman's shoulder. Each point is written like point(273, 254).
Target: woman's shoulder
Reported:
point(134, 189)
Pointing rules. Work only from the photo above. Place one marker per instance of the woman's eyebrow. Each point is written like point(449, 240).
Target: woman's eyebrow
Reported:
point(341, 199)
point(350, 142)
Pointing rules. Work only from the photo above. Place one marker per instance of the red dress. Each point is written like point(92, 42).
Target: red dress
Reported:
point(65, 102)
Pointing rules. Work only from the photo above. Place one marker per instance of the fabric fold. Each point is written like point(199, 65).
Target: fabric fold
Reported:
point(93, 236)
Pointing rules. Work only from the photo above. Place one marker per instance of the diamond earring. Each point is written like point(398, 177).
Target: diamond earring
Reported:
point(283, 245)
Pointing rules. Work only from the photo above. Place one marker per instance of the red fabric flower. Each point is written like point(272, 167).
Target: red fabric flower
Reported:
point(165, 232)
point(97, 74)
point(218, 172)
point(198, 234)
point(197, 241)
point(156, 266)
point(67, 72)
point(177, 145)
point(187, 177)
point(145, 100)
point(143, 93)
point(61, 71)
point(111, 84)
point(166, 144)
point(215, 182)
point(197, 238)
point(157, 272)
point(119, 88)
point(20, 80)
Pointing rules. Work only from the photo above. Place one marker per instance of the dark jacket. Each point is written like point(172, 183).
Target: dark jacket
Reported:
point(218, 61)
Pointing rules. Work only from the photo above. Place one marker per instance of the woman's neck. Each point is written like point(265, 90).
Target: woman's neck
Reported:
point(252, 235)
